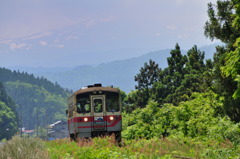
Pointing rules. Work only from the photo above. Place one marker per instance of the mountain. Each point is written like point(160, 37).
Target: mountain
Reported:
point(117, 73)
point(39, 101)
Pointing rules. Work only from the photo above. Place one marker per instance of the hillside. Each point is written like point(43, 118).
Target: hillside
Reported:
point(39, 101)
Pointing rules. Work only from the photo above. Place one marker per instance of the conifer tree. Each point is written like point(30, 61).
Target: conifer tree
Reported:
point(223, 24)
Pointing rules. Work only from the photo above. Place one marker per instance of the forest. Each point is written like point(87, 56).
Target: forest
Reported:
point(35, 102)
point(193, 99)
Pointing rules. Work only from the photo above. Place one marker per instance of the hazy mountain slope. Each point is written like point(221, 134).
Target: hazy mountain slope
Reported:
point(118, 73)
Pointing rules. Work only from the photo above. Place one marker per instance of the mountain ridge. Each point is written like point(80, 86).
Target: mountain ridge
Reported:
point(119, 73)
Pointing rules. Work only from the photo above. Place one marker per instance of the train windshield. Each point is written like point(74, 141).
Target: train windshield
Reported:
point(112, 102)
point(98, 105)
point(83, 103)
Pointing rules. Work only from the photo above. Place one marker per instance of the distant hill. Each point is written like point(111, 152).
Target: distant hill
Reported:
point(117, 73)
point(39, 100)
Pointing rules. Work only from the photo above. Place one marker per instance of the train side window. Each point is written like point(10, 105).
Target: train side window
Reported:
point(83, 105)
point(98, 107)
point(112, 103)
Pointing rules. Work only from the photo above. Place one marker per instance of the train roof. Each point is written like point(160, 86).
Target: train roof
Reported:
point(96, 87)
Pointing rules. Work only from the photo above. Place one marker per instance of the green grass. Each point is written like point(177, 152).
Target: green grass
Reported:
point(24, 148)
point(106, 148)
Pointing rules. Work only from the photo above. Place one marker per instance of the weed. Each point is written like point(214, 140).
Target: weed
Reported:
point(24, 148)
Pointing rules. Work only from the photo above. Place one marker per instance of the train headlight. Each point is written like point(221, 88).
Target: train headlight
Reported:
point(111, 118)
point(85, 119)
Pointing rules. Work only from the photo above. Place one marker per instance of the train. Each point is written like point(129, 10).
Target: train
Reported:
point(95, 111)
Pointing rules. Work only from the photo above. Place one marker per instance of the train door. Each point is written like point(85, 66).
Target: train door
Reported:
point(98, 107)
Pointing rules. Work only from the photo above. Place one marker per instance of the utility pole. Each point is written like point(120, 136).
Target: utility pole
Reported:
point(21, 119)
point(37, 121)
point(46, 124)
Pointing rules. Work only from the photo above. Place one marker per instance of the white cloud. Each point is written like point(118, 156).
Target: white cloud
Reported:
point(71, 38)
point(179, 1)
point(158, 35)
point(5, 41)
point(184, 36)
point(171, 27)
point(38, 36)
point(108, 19)
point(43, 43)
point(91, 22)
point(14, 46)
point(59, 46)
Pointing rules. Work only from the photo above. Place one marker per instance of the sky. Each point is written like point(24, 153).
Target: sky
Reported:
point(68, 33)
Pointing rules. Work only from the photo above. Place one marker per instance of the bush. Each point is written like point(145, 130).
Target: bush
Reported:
point(197, 118)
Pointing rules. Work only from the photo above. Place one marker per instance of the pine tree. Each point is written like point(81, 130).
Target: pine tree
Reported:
point(224, 25)
point(146, 78)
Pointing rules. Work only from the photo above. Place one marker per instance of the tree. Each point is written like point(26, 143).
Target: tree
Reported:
point(232, 67)
point(224, 25)
point(220, 23)
point(8, 115)
point(174, 73)
point(146, 78)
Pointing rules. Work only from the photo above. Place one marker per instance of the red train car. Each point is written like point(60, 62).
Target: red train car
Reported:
point(95, 111)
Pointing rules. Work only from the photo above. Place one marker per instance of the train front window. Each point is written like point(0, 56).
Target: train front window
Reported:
point(98, 105)
point(112, 102)
point(83, 104)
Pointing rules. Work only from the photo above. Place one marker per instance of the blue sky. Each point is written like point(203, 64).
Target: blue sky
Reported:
point(52, 33)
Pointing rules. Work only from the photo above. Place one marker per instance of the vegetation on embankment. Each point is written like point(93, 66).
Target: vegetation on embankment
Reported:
point(104, 148)
point(24, 148)
point(164, 148)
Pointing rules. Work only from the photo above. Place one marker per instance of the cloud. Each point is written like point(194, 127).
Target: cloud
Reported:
point(43, 43)
point(38, 36)
point(158, 35)
point(71, 38)
point(14, 46)
point(184, 36)
point(93, 22)
point(59, 46)
point(171, 27)
point(179, 1)
point(5, 41)
point(108, 19)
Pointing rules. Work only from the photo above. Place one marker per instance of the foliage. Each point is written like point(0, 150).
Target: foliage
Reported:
point(232, 67)
point(105, 148)
point(12, 76)
point(36, 104)
point(8, 115)
point(8, 122)
point(146, 78)
point(22, 148)
point(164, 148)
point(183, 76)
point(223, 24)
point(39, 101)
point(220, 23)
point(198, 118)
